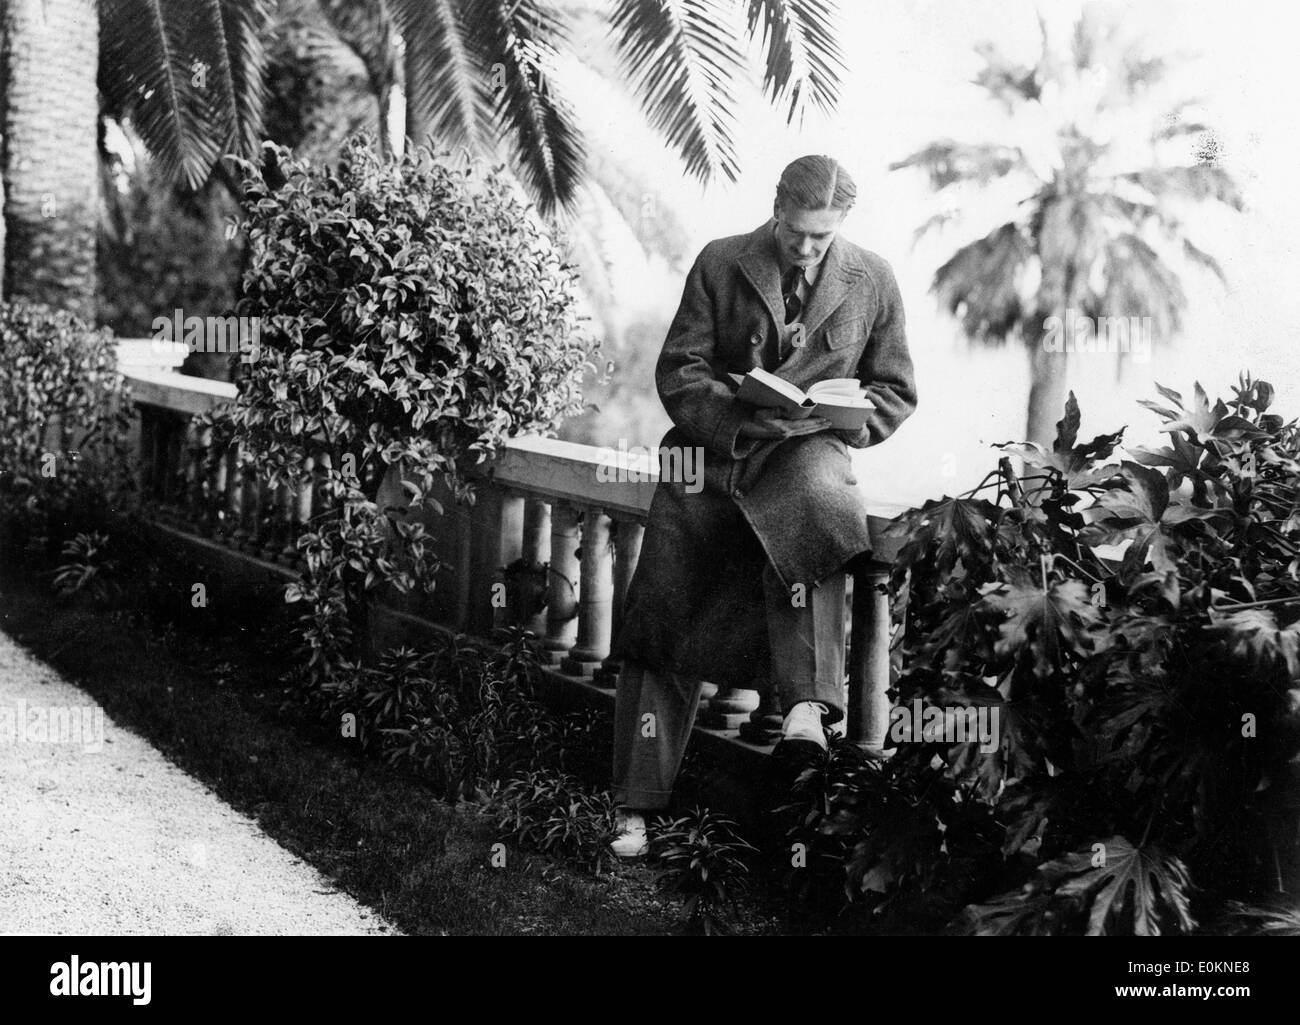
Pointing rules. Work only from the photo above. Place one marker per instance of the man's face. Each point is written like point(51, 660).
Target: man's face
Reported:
point(803, 236)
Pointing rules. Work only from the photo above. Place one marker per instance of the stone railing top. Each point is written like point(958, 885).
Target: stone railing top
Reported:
point(620, 483)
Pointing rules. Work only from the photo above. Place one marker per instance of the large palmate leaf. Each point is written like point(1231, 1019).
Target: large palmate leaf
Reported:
point(1074, 462)
point(1205, 423)
point(947, 530)
point(1022, 913)
point(1254, 637)
point(1142, 510)
point(1053, 623)
point(1125, 889)
point(1183, 457)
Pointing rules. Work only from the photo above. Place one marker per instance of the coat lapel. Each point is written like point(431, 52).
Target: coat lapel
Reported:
point(759, 265)
point(762, 269)
point(833, 284)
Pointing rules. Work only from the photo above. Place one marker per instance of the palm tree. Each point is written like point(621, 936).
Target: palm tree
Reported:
point(1095, 223)
point(482, 71)
point(50, 169)
point(188, 76)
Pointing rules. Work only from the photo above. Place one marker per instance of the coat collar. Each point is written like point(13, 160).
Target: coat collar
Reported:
point(761, 266)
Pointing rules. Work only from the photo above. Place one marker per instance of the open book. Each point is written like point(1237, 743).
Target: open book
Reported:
point(841, 400)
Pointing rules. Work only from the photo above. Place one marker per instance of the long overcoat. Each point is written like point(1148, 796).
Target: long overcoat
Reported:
point(695, 602)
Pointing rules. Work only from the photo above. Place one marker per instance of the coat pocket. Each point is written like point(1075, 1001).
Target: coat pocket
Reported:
point(844, 331)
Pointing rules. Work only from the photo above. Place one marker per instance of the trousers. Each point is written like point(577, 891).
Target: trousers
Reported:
point(654, 709)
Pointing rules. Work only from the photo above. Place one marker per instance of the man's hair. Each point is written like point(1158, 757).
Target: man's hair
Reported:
point(815, 183)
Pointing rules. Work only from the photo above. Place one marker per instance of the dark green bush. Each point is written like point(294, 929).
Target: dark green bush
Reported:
point(552, 812)
point(1146, 768)
point(413, 318)
point(64, 416)
point(701, 858)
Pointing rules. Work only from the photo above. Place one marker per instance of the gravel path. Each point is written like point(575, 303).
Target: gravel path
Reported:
point(111, 838)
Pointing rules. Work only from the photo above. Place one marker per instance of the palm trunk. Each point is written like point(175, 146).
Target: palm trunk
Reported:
point(1047, 376)
point(50, 160)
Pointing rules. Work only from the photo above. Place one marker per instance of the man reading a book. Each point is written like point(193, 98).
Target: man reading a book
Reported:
point(742, 582)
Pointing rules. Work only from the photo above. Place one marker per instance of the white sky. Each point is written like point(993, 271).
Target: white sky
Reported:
point(910, 63)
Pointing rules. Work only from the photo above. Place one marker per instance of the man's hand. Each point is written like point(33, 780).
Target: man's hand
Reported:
point(768, 423)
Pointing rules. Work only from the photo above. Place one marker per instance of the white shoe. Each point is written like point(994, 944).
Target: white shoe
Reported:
point(631, 841)
point(802, 732)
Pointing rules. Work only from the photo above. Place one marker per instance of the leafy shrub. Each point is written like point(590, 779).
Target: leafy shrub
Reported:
point(551, 811)
point(1148, 703)
point(64, 417)
point(414, 317)
point(87, 570)
point(700, 858)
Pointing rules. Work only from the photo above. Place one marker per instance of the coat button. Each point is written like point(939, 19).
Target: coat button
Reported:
point(737, 493)
point(756, 339)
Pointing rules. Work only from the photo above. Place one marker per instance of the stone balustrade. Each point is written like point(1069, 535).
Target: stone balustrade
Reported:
point(544, 523)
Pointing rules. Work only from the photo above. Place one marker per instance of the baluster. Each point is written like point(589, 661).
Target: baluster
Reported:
point(174, 475)
point(627, 553)
point(508, 527)
point(729, 707)
point(764, 723)
point(300, 505)
point(286, 497)
point(248, 510)
point(596, 596)
point(267, 524)
point(536, 554)
point(562, 583)
point(464, 564)
point(148, 451)
point(232, 532)
point(868, 718)
point(202, 511)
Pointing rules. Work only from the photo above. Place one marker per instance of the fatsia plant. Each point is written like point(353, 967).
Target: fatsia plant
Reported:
point(1093, 180)
point(1134, 620)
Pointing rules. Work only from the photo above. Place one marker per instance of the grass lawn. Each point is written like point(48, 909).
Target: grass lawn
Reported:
point(383, 838)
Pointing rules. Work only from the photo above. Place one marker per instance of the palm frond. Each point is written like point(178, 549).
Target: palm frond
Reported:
point(802, 53)
point(517, 40)
point(1006, 81)
point(947, 162)
point(245, 24)
point(190, 81)
point(978, 284)
point(1194, 181)
point(145, 75)
point(683, 60)
point(446, 91)
point(1140, 284)
point(1195, 254)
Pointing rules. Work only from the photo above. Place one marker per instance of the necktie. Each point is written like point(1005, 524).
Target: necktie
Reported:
point(790, 293)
